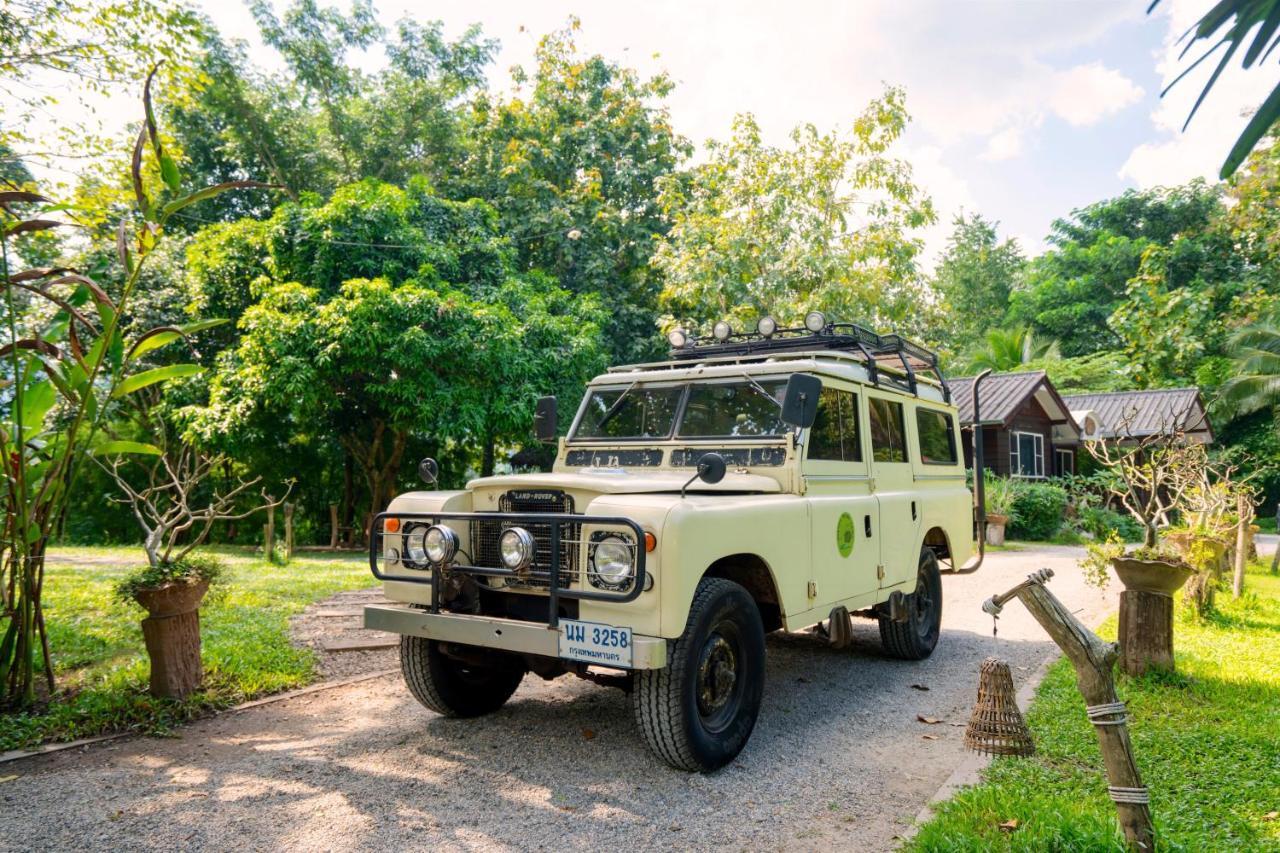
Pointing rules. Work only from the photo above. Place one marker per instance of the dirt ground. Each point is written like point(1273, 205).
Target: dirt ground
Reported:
point(838, 757)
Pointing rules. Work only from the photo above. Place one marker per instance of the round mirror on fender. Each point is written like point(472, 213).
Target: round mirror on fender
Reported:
point(429, 471)
point(711, 468)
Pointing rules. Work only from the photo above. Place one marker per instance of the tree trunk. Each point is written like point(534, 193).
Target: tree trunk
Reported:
point(1146, 631)
point(1093, 660)
point(333, 526)
point(288, 531)
point(1242, 547)
point(269, 531)
point(348, 496)
point(173, 644)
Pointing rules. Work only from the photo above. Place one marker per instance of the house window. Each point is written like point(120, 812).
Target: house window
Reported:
point(834, 435)
point(1066, 462)
point(888, 433)
point(937, 437)
point(1026, 454)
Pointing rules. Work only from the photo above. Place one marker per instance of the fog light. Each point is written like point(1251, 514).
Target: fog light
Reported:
point(440, 544)
point(815, 321)
point(721, 331)
point(516, 548)
point(767, 326)
point(678, 338)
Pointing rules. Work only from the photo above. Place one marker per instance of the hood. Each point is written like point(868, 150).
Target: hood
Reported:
point(616, 482)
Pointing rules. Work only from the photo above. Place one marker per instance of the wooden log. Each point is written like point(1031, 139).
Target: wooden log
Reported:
point(173, 644)
point(1146, 631)
point(1093, 661)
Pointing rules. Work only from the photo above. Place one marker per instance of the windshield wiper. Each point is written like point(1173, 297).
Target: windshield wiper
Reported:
point(756, 385)
point(617, 406)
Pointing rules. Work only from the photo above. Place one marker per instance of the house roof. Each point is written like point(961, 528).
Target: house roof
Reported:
point(1141, 413)
point(1003, 394)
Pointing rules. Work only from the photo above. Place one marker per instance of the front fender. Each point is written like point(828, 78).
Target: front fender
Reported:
point(441, 501)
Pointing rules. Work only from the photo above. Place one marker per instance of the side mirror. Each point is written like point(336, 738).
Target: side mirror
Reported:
point(429, 471)
point(710, 470)
point(800, 401)
point(544, 419)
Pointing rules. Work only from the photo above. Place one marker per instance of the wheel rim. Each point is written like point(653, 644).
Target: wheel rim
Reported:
point(719, 685)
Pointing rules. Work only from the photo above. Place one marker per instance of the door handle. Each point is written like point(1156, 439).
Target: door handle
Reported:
point(866, 525)
point(913, 510)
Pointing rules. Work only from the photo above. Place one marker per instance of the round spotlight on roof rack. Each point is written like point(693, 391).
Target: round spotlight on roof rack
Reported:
point(678, 338)
point(815, 321)
point(767, 326)
point(721, 331)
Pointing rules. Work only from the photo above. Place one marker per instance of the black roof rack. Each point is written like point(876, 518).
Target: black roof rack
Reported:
point(843, 337)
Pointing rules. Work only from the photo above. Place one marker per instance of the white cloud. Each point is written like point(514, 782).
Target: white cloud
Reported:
point(949, 192)
point(1175, 156)
point(1005, 145)
point(1086, 94)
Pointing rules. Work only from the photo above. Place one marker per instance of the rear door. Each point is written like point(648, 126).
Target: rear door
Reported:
point(842, 511)
point(893, 482)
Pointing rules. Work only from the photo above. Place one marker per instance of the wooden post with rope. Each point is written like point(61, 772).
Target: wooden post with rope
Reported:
point(1093, 661)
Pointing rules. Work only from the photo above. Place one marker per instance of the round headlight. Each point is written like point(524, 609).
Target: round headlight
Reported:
point(440, 543)
point(721, 331)
point(815, 321)
point(677, 338)
point(611, 561)
point(516, 548)
point(767, 326)
point(414, 551)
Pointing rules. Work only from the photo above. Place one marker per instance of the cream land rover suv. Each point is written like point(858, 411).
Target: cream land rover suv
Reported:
point(776, 480)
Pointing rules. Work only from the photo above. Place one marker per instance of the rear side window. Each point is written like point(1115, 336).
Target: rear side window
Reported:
point(888, 434)
point(937, 437)
point(834, 435)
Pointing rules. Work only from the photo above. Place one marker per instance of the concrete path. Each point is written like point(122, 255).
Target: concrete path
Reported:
point(838, 758)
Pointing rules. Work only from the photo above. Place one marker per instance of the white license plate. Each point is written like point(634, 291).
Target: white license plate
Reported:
point(593, 642)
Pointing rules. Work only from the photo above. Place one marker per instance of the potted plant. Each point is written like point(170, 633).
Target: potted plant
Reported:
point(171, 593)
point(999, 500)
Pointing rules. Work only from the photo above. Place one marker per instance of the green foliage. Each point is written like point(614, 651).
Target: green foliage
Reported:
point(1006, 350)
point(1100, 371)
point(997, 492)
point(1102, 522)
point(101, 661)
point(194, 568)
point(1096, 565)
point(829, 223)
point(1224, 702)
point(976, 276)
point(1037, 509)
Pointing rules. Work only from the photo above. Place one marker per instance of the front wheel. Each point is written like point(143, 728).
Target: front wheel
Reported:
point(698, 712)
point(453, 687)
point(916, 636)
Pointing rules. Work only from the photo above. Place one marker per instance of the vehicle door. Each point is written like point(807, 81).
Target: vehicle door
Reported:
point(893, 483)
point(842, 511)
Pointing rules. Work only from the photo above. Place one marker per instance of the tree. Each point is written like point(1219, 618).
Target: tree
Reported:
point(1070, 291)
point(1256, 383)
point(573, 162)
point(827, 223)
point(976, 276)
point(1240, 18)
point(1010, 349)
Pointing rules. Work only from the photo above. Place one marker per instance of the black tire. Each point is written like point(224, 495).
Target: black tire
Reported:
point(916, 638)
point(697, 714)
point(451, 687)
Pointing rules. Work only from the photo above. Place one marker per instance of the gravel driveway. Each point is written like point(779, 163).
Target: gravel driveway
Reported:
point(838, 758)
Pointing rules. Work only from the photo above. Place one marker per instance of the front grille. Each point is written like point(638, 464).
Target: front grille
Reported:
point(485, 535)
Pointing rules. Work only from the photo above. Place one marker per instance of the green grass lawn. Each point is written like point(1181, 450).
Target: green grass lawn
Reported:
point(101, 663)
point(1207, 741)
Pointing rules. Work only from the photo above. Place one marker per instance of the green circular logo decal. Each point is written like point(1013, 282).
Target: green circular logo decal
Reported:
point(844, 534)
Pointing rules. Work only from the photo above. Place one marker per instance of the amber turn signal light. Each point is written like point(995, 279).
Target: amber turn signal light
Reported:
point(391, 525)
point(650, 541)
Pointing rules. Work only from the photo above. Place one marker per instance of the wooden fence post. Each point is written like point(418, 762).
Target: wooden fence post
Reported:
point(333, 527)
point(269, 530)
point(1093, 661)
point(1244, 517)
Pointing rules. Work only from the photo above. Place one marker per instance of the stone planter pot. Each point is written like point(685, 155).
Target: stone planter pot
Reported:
point(172, 635)
point(1146, 612)
point(995, 528)
point(1156, 576)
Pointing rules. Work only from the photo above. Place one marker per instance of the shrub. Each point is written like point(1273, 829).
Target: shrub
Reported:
point(191, 569)
point(998, 494)
point(1038, 510)
point(1102, 522)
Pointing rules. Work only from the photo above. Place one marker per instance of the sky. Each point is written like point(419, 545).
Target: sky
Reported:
point(1022, 109)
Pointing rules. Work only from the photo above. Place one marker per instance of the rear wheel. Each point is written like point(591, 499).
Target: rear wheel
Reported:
point(453, 687)
point(916, 637)
point(698, 712)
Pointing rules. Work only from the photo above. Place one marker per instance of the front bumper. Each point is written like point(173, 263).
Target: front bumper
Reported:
point(509, 635)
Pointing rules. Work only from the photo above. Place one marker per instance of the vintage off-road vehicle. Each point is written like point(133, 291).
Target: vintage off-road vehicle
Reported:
point(782, 479)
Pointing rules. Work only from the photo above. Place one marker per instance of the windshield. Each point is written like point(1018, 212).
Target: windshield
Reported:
point(634, 412)
point(745, 409)
point(737, 409)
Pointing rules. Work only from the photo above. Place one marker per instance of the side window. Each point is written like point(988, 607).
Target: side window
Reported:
point(937, 438)
point(834, 435)
point(888, 436)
